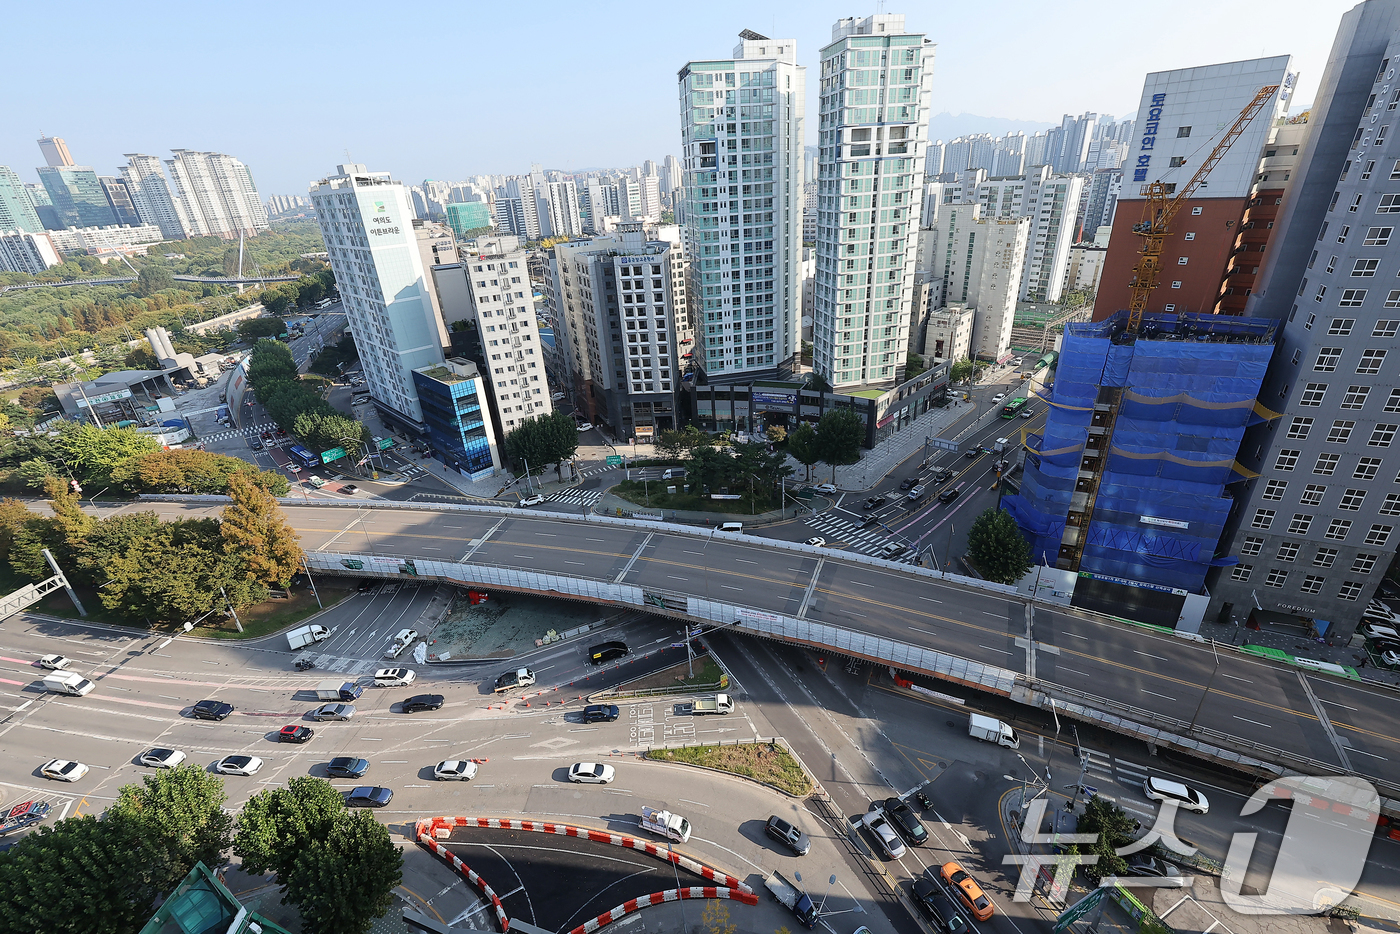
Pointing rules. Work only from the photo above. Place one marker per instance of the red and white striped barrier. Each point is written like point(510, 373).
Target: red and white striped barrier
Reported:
point(464, 869)
point(442, 827)
point(657, 898)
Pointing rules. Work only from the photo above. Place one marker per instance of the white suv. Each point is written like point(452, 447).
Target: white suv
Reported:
point(393, 677)
point(1161, 789)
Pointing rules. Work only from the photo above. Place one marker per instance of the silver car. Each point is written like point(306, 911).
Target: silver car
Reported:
point(333, 712)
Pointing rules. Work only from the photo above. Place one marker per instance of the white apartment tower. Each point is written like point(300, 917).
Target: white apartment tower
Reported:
point(1052, 204)
point(979, 261)
point(150, 192)
point(366, 221)
point(875, 80)
point(219, 196)
point(742, 148)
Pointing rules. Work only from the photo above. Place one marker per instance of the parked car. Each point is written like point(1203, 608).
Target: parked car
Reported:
point(592, 773)
point(368, 797)
point(1161, 789)
point(422, 702)
point(789, 835)
point(531, 500)
point(295, 733)
point(967, 890)
point(937, 907)
point(585, 426)
point(1388, 651)
point(455, 770)
point(906, 821)
point(159, 758)
point(347, 767)
point(1378, 631)
point(333, 712)
point(815, 542)
point(63, 770)
point(393, 677)
point(211, 710)
point(238, 765)
point(600, 713)
point(948, 495)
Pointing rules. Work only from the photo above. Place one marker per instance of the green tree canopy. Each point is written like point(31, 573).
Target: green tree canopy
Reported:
point(680, 443)
point(182, 812)
point(998, 548)
point(276, 824)
point(1113, 829)
point(840, 432)
point(92, 453)
point(153, 278)
point(541, 441)
point(255, 528)
point(190, 470)
point(251, 329)
point(176, 575)
point(802, 445)
point(962, 371)
point(343, 881)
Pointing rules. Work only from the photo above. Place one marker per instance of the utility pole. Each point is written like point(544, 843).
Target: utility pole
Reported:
point(231, 610)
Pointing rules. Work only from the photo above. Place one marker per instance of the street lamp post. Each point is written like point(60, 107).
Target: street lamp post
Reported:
point(1206, 693)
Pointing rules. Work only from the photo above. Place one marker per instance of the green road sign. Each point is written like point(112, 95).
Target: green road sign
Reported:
point(353, 564)
point(385, 443)
point(334, 454)
point(614, 460)
point(1078, 910)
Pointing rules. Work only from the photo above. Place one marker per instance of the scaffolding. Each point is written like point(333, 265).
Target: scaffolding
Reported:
point(1129, 478)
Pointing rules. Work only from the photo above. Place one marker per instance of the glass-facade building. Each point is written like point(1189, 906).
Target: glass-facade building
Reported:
point(77, 195)
point(457, 416)
point(468, 215)
point(16, 211)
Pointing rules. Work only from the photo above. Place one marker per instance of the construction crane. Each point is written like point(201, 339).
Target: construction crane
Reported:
point(1158, 209)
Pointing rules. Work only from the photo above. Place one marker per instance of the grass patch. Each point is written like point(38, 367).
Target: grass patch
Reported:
point(653, 495)
point(707, 673)
point(772, 765)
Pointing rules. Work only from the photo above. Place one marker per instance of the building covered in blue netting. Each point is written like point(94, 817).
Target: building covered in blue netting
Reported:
point(1129, 481)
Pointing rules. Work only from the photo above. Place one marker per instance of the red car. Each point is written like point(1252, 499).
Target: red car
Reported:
point(292, 733)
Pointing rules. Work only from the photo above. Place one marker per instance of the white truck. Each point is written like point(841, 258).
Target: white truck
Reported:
point(992, 730)
point(720, 703)
point(67, 682)
point(303, 636)
point(665, 824)
point(792, 898)
point(1001, 445)
point(337, 690)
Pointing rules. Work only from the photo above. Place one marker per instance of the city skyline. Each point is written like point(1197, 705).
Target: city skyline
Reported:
point(275, 86)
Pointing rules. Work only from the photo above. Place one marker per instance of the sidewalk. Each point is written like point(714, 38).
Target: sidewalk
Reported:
point(610, 505)
point(1300, 646)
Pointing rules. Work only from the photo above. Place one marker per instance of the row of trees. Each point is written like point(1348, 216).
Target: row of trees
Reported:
point(155, 571)
point(551, 439)
point(105, 876)
point(835, 440)
point(272, 372)
point(302, 293)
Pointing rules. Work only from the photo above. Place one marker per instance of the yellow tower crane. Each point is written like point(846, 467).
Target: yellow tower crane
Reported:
point(1158, 209)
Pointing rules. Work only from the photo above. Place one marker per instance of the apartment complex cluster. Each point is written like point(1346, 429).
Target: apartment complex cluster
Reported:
point(73, 209)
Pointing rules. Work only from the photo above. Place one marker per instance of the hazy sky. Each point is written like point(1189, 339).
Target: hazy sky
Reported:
point(446, 90)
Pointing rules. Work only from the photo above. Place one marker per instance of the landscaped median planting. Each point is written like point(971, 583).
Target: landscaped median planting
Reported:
point(762, 761)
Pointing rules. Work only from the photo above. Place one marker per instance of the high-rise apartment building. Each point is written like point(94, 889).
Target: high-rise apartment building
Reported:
point(119, 199)
point(1182, 115)
point(1317, 527)
point(978, 260)
point(218, 193)
point(1051, 202)
point(621, 306)
point(77, 196)
point(16, 211)
point(874, 112)
point(55, 152)
point(933, 158)
point(367, 224)
point(150, 193)
point(26, 251)
point(742, 137)
point(1100, 201)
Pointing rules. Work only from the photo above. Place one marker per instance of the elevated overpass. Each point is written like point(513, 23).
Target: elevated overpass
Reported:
point(1259, 716)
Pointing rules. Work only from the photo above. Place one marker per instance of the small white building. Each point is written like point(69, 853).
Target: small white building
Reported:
point(948, 335)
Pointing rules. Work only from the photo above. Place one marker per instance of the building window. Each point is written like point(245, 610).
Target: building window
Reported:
point(1327, 359)
point(1392, 404)
point(1338, 530)
point(1366, 468)
point(1300, 524)
point(1312, 394)
point(1350, 590)
point(1378, 236)
point(1251, 546)
point(1331, 264)
point(1346, 231)
point(1382, 435)
point(1275, 489)
point(1386, 328)
point(1391, 506)
point(1312, 583)
point(1176, 284)
point(1277, 577)
point(1191, 235)
point(1356, 397)
point(1371, 361)
point(1286, 460)
point(1300, 426)
point(1340, 432)
point(1287, 551)
point(1326, 464)
point(1365, 268)
point(1320, 293)
point(1263, 518)
point(1183, 131)
point(1352, 500)
point(1389, 204)
point(1195, 212)
point(1364, 563)
point(1324, 557)
point(1312, 494)
point(1241, 572)
point(1378, 536)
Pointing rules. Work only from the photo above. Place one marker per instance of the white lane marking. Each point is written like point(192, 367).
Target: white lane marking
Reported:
point(1077, 636)
point(1255, 722)
point(1149, 655)
point(727, 587)
point(927, 632)
point(1233, 678)
point(1350, 750)
point(1002, 651)
point(1155, 694)
point(1335, 703)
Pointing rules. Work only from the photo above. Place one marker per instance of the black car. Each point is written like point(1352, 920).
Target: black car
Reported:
point(295, 733)
point(788, 835)
point(908, 483)
point(906, 821)
point(422, 702)
point(873, 502)
point(366, 586)
point(367, 797)
point(211, 710)
point(606, 652)
point(972, 452)
point(347, 767)
point(948, 495)
point(1389, 588)
point(595, 713)
point(937, 907)
point(942, 475)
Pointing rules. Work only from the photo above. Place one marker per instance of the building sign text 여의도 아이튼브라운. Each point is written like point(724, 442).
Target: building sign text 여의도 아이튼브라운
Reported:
point(381, 216)
point(1148, 140)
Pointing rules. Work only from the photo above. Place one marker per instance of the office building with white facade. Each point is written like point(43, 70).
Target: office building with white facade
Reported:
point(366, 221)
point(875, 85)
point(742, 150)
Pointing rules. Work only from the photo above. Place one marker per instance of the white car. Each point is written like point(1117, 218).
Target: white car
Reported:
point(54, 662)
point(592, 773)
point(557, 396)
point(815, 542)
point(238, 765)
point(998, 397)
point(531, 500)
point(406, 636)
point(585, 426)
point(455, 770)
point(1379, 631)
point(1161, 789)
point(63, 771)
point(826, 488)
point(162, 758)
point(393, 677)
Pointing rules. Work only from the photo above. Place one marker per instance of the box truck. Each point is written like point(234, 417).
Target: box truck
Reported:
point(337, 690)
point(992, 730)
point(303, 636)
point(720, 703)
point(67, 682)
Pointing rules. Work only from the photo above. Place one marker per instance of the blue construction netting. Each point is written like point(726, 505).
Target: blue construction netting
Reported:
point(1189, 385)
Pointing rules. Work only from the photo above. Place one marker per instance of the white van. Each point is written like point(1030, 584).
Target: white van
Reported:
point(673, 473)
point(731, 526)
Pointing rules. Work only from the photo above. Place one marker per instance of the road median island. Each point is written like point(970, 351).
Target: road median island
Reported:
point(764, 762)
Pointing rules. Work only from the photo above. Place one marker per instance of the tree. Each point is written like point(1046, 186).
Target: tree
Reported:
point(540, 441)
point(998, 548)
point(680, 443)
point(13, 516)
point(175, 575)
point(913, 366)
point(344, 881)
point(1112, 829)
point(182, 812)
point(94, 452)
point(251, 329)
point(256, 529)
point(802, 445)
point(962, 371)
point(153, 278)
point(817, 382)
point(839, 434)
point(190, 470)
point(775, 433)
point(276, 824)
